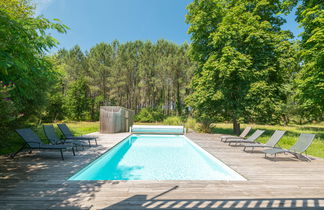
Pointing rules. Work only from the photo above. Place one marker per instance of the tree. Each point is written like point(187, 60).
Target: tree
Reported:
point(135, 75)
point(176, 69)
point(100, 62)
point(76, 65)
point(310, 79)
point(243, 59)
point(77, 103)
point(24, 42)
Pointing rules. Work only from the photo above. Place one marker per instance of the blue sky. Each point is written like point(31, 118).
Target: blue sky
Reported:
point(94, 21)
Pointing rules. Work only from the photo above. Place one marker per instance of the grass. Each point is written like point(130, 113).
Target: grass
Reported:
point(78, 128)
point(81, 128)
point(290, 137)
point(293, 131)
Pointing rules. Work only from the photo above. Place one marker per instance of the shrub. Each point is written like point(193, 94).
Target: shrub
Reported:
point(77, 100)
point(192, 124)
point(149, 115)
point(8, 117)
point(54, 110)
point(8, 111)
point(174, 120)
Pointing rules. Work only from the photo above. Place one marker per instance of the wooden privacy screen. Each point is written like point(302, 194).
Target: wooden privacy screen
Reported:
point(114, 119)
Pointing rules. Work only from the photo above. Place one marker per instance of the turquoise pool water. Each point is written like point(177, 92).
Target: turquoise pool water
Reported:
point(156, 157)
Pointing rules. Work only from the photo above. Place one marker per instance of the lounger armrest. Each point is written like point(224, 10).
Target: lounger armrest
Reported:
point(61, 141)
point(85, 136)
point(69, 138)
point(33, 142)
point(234, 137)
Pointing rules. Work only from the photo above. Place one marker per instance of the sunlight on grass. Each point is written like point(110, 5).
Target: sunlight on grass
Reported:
point(78, 128)
point(290, 137)
point(81, 128)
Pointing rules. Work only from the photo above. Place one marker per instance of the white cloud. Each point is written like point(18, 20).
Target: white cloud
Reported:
point(41, 5)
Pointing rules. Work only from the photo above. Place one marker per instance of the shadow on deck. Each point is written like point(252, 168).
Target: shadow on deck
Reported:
point(143, 202)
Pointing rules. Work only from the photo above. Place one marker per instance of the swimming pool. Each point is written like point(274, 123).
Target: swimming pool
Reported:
point(156, 157)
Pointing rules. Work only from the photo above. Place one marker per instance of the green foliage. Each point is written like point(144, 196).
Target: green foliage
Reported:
point(8, 110)
point(149, 115)
point(173, 120)
point(100, 60)
point(310, 79)
point(24, 40)
point(244, 59)
point(77, 100)
point(135, 75)
point(192, 124)
point(8, 113)
point(55, 108)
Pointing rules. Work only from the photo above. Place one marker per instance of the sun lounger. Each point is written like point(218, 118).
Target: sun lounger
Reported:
point(54, 139)
point(303, 142)
point(32, 141)
point(70, 136)
point(241, 136)
point(274, 139)
point(251, 139)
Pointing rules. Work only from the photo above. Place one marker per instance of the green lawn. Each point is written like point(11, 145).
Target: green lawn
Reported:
point(78, 128)
point(290, 137)
point(293, 131)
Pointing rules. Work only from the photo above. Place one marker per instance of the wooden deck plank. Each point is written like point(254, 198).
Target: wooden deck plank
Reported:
point(39, 181)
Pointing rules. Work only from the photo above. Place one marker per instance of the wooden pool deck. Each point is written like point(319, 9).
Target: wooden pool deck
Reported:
point(39, 181)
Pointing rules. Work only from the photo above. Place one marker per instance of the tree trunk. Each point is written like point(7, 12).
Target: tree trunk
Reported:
point(285, 119)
point(178, 103)
point(236, 126)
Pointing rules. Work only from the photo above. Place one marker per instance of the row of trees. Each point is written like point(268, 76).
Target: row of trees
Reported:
point(135, 75)
point(248, 68)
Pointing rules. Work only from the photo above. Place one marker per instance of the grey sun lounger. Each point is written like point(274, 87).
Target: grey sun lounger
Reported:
point(303, 142)
point(273, 140)
point(32, 141)
point(68, 135)
point(251, 139)
point(241, 136)
point(54, 139)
